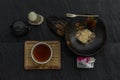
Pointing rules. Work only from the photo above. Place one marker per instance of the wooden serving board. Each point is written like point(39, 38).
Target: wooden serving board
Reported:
point(54, 63)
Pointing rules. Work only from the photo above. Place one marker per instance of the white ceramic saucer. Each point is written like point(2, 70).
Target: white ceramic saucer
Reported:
point(40, 22)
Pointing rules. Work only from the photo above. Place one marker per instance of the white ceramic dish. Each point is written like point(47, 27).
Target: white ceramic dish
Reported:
point(40, 22)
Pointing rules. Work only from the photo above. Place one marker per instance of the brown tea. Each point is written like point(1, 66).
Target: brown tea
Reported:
point(41, 53)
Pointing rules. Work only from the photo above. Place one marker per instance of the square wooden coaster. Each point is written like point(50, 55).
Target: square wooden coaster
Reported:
point(54, 63)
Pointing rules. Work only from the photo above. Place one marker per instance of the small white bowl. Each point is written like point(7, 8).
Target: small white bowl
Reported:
point(51, 52)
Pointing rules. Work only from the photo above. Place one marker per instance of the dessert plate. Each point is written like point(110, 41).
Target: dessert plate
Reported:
point(85, 49)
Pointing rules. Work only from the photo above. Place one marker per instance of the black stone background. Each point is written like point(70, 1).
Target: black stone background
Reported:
point(107, 65)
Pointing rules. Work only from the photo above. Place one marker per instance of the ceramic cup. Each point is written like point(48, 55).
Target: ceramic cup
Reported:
point(41, 53)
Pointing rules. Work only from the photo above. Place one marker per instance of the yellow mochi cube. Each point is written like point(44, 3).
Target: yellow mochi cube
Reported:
point(84, 36)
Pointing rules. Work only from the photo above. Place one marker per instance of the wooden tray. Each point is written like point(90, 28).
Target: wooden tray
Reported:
point(54, 63)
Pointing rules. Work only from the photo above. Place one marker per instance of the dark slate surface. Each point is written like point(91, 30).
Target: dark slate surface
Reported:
point(12, 49)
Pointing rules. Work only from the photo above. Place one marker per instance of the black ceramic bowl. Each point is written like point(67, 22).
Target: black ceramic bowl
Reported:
point(77, 47)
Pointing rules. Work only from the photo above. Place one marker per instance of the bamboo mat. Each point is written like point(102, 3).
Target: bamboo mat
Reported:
point(54, 63)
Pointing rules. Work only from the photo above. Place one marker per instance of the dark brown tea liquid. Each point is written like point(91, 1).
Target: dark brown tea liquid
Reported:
point(41, 53)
